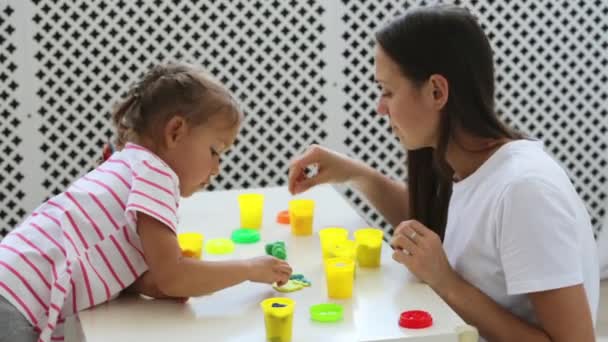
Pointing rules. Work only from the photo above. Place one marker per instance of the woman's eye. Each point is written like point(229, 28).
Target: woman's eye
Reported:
point(384, 92)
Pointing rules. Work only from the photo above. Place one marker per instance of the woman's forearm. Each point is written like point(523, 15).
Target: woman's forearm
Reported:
point(389, 197)
point(493, 322)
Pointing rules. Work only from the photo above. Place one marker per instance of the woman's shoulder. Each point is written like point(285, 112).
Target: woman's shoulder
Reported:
point(526, 172)
point(527, 163)
point(517, 163)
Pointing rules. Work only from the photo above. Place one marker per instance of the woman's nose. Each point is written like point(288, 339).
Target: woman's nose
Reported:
point(381, 108)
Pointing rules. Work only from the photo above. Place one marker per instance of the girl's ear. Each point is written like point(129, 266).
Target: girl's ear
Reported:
point(175, 130)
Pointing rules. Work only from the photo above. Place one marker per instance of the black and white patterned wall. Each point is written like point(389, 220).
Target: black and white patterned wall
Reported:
point(303, 71)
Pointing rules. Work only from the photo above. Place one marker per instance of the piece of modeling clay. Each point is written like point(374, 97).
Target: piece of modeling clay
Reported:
point(277, 249)
point(300, 277)
point(290, 286)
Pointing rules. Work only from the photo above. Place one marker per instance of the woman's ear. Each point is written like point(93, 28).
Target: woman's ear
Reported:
point(175, 130)
point(440, 90)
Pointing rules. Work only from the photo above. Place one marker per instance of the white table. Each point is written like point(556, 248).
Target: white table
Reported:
point(234, 314)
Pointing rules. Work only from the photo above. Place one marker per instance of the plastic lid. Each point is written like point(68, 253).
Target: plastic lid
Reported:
point(283, 217)
point(326, 312)
point(245, 235)
point(415, 319)
point(219, 246)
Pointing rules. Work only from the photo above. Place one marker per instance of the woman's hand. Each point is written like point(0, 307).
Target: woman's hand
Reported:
point(421, 251)
point(332, 167)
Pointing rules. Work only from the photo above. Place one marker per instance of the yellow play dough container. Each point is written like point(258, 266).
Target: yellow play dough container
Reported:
point(340, 275)
point(278, 320)
point(301, 214)
point(191, 244)
point(252, 210)
point(369, 246)
point(344, 249)
point(329, 237)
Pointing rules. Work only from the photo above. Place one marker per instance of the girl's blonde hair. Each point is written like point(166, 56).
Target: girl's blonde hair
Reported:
point(167, 90)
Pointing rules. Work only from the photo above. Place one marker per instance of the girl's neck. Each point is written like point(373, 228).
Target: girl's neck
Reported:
point(146, 143)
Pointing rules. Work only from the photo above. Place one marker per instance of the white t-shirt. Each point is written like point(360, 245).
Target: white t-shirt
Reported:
point(516, 226)
point(602, 246)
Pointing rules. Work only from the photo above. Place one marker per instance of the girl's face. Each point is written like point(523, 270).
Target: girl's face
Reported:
point(194, 152)
point(412, 109)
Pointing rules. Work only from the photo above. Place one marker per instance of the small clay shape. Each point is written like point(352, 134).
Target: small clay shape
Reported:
point(277, 249)
point(300, 279)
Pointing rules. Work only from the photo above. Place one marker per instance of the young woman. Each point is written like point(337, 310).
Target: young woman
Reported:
point(488, 219)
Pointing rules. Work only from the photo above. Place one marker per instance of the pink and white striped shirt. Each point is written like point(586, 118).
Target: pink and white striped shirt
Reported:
point(81, 248)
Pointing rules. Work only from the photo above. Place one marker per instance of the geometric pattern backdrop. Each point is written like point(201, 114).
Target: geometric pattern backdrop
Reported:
point(11, 156)
point(303, 72)
point(552, 83)
point(268, 53)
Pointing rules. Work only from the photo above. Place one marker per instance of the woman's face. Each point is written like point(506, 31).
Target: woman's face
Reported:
point(412, 109)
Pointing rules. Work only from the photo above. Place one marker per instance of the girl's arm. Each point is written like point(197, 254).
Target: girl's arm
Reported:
point(146, 286)
point(178, 276)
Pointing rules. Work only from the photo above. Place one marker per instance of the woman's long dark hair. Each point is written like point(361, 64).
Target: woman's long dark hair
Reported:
point(444, 40)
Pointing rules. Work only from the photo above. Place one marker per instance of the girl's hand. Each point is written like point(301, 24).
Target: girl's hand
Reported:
point(268, 270)
point(421, 251)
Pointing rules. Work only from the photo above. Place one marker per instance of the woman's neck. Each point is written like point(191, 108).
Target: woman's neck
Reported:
point(465, 153)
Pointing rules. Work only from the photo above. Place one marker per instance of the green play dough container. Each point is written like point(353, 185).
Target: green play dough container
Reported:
point(245, 235)
point(326, 313)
